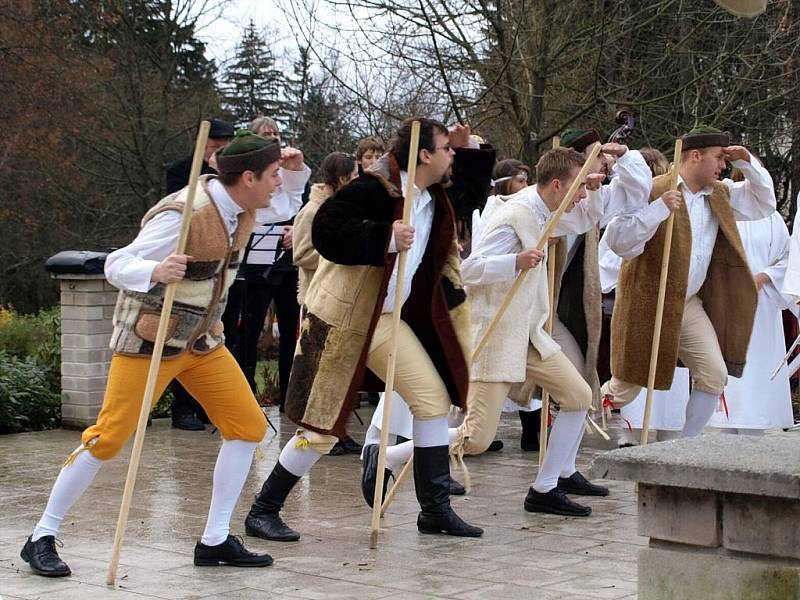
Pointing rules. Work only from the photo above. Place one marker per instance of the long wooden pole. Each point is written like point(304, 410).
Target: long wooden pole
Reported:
point(662, 292)
point(155, 360)
point(408, 202)
point(544, 414)
point(573, 189)
point(404, 473)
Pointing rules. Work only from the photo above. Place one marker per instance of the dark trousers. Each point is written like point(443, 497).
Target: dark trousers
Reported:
point(243, 319)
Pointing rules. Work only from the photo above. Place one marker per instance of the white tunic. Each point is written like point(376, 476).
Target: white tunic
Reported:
point(755, 402)
point(791, 282)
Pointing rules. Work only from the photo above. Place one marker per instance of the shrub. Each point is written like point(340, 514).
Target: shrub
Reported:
point(30, 370)
point(30, 399)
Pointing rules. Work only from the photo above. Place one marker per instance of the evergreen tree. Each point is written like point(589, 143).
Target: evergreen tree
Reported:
point(252, 86)
point(323, 127)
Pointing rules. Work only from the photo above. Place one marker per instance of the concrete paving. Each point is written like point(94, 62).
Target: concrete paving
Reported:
point(521, 555)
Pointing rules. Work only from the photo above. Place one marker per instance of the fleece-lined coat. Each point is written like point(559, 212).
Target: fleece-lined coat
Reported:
point(729, 296)
point(305, 257)
point(352, 231)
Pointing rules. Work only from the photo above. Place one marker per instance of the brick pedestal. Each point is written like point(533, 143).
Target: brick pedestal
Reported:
point(87, 306)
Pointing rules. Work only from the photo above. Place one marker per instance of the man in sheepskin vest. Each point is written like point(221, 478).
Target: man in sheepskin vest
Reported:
point(346, 330)
point(519, 349)
point(223, 214)
point(711, 297)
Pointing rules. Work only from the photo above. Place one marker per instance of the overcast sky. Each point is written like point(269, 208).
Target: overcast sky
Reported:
point(222, 35)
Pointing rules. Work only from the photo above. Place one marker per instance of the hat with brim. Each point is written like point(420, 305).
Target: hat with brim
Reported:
point(579, 139)
point(220, 130)
point(248, 152)
point(705, 137)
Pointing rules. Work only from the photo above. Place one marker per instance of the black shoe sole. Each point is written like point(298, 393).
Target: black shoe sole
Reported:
point(542, 508)
point(584, 492)
point(529, 448)
point(437, 531)
point(258, 534)
point(216, 562)
point(26, 557)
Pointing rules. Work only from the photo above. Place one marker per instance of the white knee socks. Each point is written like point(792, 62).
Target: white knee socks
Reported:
point(298, 461)
point(431, 432)
point(569, 466)
point(72, 481)
point(699, 409)
point(233, 464)
point(399, 454)
point(565, 437)
point(373, 435)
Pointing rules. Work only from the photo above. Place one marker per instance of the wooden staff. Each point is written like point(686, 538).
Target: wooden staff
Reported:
point(573, 189)
point(545, 414)
point(551, 291)
point(155, 360)
point(662, 292)
point(396, 487)
point(408, 201)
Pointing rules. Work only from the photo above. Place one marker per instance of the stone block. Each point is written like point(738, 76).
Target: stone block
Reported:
point(93, 284)
point(92, 369)
point(83, 384)
point(667, 574)
point(86, 355)
point(90, 341)
point(86, 313)
point(760, 465)
point(761, 525)
point(74, 416)
point(96, 298)
point(679, 515)
point(82, 398)
point(86, 326)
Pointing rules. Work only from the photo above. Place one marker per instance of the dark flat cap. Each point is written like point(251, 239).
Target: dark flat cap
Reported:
point(221, 130)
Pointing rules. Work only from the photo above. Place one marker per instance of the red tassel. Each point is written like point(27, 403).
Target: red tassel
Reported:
point(724, 405)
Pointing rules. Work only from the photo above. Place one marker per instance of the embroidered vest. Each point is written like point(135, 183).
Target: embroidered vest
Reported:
point(195, 320)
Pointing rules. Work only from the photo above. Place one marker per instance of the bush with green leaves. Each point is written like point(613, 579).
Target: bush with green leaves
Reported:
point(30, 399)
point(30, 370)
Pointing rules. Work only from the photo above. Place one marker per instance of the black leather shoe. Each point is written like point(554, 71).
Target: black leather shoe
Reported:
point(230, 552)
point(350, 445)
point(187, 422)
point(456, 489)
point(578, 484)
point(264, 519)
point(369, 474)
point(495, 446)
point(432, 482)
point(43, 558)
point(337, 450)
point(554, 502)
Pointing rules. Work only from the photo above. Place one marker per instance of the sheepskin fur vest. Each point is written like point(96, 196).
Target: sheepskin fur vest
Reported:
point(195, 320)
point(729, 296)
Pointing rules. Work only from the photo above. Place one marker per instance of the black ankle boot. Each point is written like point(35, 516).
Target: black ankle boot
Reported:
point(230, 552)
point(369, 474)
point(531, 425)
point(264, 520)
point(432, 480)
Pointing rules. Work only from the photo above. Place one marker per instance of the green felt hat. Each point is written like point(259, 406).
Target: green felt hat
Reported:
point(579, 139)
point(248, 152)
point(704, 136)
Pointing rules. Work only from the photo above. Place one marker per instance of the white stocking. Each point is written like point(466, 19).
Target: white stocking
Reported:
point(233, 464)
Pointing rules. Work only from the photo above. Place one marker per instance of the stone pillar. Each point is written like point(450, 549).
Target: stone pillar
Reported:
point(722, 513)
point(87, 306)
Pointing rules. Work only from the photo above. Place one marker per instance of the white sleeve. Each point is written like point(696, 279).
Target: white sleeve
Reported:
point(791, 280)
point(629, 190)
point(585, 215)
point(778, 260)
point(287, 199)
point(131, 267)
point(753, 198)
point(493, 260)
point(627, 235)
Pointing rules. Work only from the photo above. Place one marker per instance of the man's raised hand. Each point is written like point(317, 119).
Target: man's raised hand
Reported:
point(292, 159)
point(459, 135)
point(736, 153)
